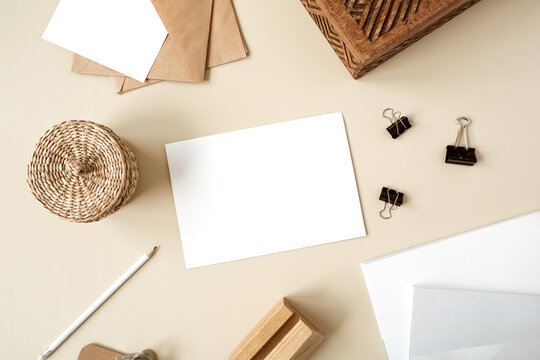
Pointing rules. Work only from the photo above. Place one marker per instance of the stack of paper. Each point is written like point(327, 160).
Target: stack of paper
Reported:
point(141, 42)
point(503, 257)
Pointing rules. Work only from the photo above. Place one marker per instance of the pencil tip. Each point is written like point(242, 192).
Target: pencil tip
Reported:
point(154, 249)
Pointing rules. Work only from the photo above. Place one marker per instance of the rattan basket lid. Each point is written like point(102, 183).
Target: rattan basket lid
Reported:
point(82, 171)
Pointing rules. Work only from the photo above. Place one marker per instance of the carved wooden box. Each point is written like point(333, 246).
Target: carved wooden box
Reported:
point(365, 33)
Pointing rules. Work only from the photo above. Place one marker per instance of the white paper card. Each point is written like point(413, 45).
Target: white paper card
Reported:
point(447, 320)
point(522, 350)
point(264, 190)
point(124, 35)
point(503, 257)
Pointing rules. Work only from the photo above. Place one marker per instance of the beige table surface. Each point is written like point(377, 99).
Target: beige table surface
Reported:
point(485, 64)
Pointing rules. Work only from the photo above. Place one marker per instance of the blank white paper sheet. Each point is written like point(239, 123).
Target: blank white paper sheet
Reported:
point(453, 324)
point(503, 257)
point(264, 190)
point(124, 35)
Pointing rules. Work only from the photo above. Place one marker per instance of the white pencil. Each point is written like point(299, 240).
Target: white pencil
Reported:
point(100, 300)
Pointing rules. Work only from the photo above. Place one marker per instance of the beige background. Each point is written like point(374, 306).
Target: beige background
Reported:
point(484, 63)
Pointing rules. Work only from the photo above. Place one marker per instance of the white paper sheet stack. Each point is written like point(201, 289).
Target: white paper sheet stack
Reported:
point(504, 257)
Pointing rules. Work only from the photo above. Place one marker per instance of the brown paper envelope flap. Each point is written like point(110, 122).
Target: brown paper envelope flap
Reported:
point(122, 84)
point(79, 63)
point(117, 83)
point(132, 84)
point(172, 65)
point(83, 65)
point(226, 42)
point(97, 352)
point(183, 55)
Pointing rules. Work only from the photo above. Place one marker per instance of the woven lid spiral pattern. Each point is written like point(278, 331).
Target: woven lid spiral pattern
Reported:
point(82, 171)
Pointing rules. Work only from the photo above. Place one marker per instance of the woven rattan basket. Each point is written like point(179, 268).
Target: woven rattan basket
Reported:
point(82, 171)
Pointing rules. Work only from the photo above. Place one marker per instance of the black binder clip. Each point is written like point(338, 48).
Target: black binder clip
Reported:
point(392, 197)
point(458, 154)
point(399, 123)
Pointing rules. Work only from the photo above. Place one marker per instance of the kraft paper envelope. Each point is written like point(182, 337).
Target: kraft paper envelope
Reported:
point(225, 44)
point(183, 54)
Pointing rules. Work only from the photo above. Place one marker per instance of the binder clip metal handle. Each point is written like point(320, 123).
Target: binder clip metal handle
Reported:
point(391, 118)
point(389, 211)
point(462, 130)
point(392, 197)
point(398, 124)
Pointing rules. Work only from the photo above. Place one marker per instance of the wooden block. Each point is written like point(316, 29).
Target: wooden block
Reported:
point(365, 33)
point(283, 334)
point(98, 352)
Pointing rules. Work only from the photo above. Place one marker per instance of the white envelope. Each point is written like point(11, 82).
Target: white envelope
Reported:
point(124, 35)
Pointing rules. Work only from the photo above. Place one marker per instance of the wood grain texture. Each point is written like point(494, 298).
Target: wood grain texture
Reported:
point(365, 33)
point(98, 352)
point(283, 334)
